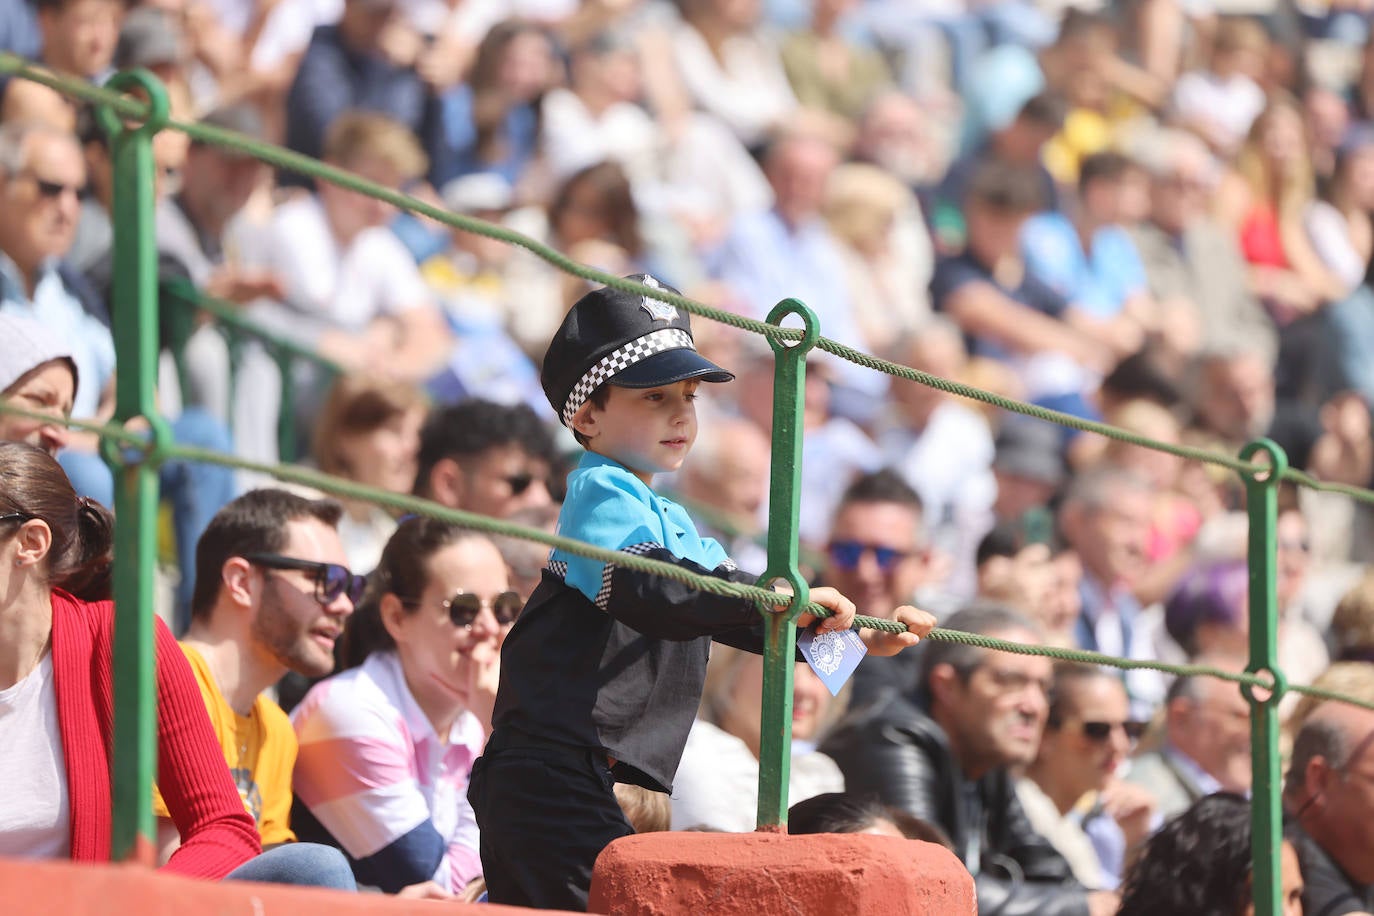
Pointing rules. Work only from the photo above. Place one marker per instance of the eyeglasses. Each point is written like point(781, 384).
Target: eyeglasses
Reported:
point(331, 579)
point(464, 607)
point(1100, 731)
point(51, 190)
point(518, 483)
point(847, 554)
point(16, 517)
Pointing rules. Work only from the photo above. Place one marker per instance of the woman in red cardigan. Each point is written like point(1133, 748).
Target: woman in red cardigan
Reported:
point(56, 630)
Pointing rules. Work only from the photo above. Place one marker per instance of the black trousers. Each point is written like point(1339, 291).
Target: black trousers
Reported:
point(545, 814)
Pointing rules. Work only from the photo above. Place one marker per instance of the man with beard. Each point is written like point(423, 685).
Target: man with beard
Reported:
point(272, 593)
point(945, 753)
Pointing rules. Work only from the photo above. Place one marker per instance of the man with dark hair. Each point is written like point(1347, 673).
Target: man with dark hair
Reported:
point(1328, 791)
point(484, 457)
point(943, 752)
point(272, 593)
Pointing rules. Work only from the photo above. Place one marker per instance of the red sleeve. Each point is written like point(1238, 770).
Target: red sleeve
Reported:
point(217, 833)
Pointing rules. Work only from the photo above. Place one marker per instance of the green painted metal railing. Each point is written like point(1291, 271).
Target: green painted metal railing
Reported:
point(135, 459)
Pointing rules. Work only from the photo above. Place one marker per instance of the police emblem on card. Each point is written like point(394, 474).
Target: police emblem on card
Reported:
point(833, 656)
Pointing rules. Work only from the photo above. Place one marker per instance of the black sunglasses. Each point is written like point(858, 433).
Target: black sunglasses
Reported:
point(16, 517)
point(52, 190)
point(519, 483)
point(1101, 731)
point(464, 607)
point(331, 579)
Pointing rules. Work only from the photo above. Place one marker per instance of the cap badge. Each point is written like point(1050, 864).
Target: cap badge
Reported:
point(658, 311)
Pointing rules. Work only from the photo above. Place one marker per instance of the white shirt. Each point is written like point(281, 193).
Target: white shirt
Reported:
point(746, 88)
point(35, 821)
point(344, 288)
point(717, 782)
point(1231, 105)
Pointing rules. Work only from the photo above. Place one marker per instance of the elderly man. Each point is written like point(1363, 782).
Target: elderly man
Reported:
point(37, 373)
point(1328, 791)
point(484, 457)
point(944, 753)
point(1206, 743)
point(728, 479)
point(272, 595)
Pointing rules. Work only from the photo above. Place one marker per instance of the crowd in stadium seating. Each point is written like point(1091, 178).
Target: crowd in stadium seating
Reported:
point(1155, 213)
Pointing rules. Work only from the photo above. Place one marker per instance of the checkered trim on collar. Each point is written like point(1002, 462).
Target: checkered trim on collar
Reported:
point(633, 352)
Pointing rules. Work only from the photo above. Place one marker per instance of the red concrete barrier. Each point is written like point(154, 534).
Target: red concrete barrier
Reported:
point(758, 874)
point(66, 889)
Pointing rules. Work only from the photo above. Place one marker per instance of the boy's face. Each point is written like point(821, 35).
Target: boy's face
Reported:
point(649, 430)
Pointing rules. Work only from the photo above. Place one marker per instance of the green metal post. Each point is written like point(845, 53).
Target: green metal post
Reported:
point(136, 478)
point(1266, 817)
point(780, 627)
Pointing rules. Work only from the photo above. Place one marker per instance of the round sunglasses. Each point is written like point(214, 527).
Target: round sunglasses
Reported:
point(331, 580)
point(464, 607)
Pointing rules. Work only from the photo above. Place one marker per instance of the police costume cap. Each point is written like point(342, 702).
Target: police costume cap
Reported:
point(634, 341)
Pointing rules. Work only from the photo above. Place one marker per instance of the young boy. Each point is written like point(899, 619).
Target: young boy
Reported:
point(602, 674)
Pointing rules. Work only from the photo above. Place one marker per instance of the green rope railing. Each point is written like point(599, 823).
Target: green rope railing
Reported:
point(283, 158)
point(347, 489)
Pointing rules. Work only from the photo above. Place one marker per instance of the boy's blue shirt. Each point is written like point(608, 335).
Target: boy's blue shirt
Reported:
point(610, 507)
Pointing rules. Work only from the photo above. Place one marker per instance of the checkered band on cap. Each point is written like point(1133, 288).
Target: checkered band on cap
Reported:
point(637, 350)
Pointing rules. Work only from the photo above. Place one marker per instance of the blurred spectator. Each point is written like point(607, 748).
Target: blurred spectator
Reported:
point(829, 72)
point(1222, 101)
point(490, 122)
point(1206, 742)
point(1072, 793)
point(368, 431)
point(886, 251)
point(717, 782)
point(727, 482)
point(366, 61)
point(1195, 270)
point(352, 290)
point(1175, 520)
point(1338, 225)
point(771, 254)
point(1352, 625)
point(19, 32)
point(1015, 571)
point(386, 747)
point(525, 559)
point(484, 457)
point(1105, 517)
point(943, 753)
point(904, 138)
point(1332, 819)
point(79, 37)
point(152, 38)
point(1028, 469)
point(847, 812)
point(251, 624)
point(38, 373)
point(1200, 864)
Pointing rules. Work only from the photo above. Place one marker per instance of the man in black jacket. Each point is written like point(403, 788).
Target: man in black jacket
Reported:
point(943, 754)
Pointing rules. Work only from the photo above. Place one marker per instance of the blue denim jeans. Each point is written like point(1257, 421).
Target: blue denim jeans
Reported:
point(196, 491)
point(301, 864)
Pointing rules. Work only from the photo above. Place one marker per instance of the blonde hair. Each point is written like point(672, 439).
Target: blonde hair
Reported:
point(646, 810)
point(861, 201)
point(357, 135)
point(1298, 187)
point(1352, 624)
point(1354, 679)
point(1143, 418)
point(359, 404)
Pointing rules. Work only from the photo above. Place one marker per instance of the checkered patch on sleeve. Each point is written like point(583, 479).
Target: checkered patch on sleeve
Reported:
point(633, 352)
point(603, 595)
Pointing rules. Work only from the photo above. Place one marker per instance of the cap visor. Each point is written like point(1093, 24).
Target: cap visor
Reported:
point(668, 367)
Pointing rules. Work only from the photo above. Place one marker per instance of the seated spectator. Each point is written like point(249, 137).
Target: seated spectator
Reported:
point(1072, 793)
point(726, 485)
point(38, 373)
point(386, 747)
point(1090, 260)
point(1337, 224)
point(1200, 864)
point(1221, 102)
point(490, 121)
point(1326, 794)
point(365, 61)
point(944, 753)
point(1105, 517)
point(487, 458)
point(1175, 520)
point(352, 290)
point(1352, 624)
point(55, 570)
point(1206, 743)
point(1015, 571)
point(75, 38)
point(846, 812)
point(886, 251)
point(251, 624)
point(1028, 469)
point(827, 70)
point(369, 432)
point(718, 778)
point(1006, 312)
point(1194, 267)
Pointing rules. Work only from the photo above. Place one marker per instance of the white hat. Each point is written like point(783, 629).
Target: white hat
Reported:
point(24, 346)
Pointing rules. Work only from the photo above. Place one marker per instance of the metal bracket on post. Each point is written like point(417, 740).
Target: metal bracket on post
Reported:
point(780, 625)
point(136, 472)
point(1266, 818)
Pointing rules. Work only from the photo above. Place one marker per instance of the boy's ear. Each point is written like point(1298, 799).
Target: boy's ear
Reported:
point(584, 421)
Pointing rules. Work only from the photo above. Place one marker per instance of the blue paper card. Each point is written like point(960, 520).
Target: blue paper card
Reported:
point(833, 656)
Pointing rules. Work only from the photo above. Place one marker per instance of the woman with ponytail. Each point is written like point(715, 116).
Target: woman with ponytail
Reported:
point(386, 747)
point(56, 720)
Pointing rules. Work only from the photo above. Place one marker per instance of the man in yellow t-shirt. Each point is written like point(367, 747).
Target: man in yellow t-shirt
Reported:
point(272, 592)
